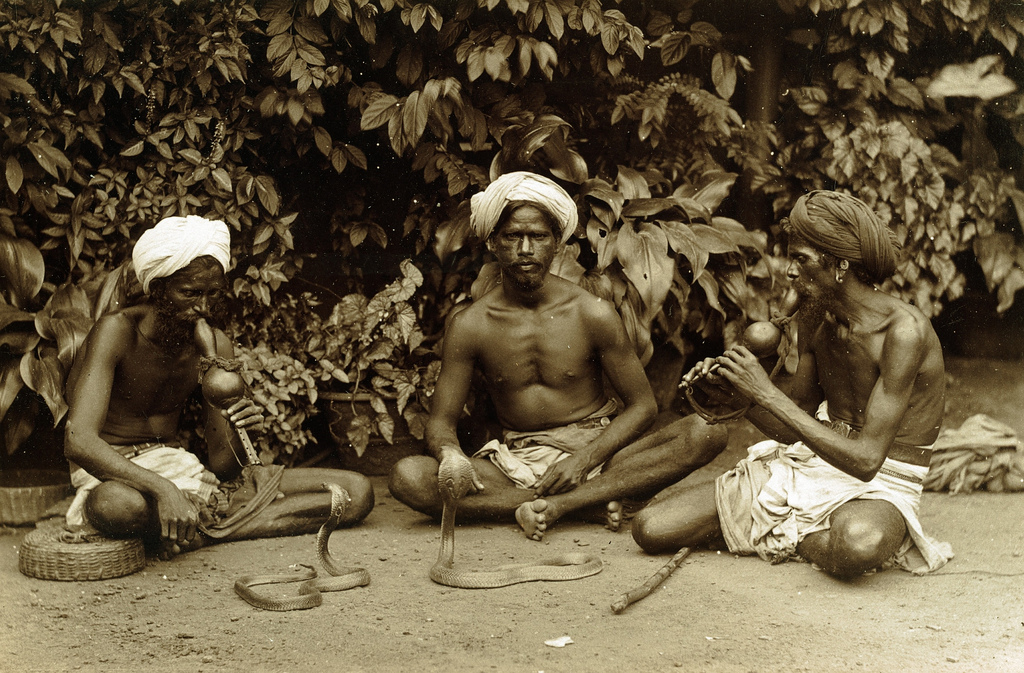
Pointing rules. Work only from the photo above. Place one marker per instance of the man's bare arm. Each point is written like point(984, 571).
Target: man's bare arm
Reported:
point(450, 394)
point(88, 400)
point(452, 389)
point(902, 354)
point(626, 375)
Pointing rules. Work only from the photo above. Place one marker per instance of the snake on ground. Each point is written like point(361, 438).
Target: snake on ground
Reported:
point(454, 481)
point(309, 592)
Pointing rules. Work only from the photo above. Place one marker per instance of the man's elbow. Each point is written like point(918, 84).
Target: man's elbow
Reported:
point(646, 412)
point(72, 447)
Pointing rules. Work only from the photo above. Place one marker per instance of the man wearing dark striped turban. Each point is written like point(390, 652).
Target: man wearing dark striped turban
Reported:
point(839, 481)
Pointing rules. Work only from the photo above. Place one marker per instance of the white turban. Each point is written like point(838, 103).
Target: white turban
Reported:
point(488, 205)
point(174, 242)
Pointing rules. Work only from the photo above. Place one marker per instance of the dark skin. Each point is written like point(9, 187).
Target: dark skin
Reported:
point(877, 362)
point(129, 384)
point(545, 348)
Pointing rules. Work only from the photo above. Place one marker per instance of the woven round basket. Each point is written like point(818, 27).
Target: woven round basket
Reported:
point(25, 495)
point(52, 553)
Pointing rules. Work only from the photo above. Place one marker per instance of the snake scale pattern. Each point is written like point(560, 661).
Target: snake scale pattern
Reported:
point(454, 481)
point(309, 593)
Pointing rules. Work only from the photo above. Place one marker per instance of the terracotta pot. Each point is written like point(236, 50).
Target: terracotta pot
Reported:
point(379, 456)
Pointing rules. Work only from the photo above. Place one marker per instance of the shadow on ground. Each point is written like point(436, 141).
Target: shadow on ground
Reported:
point(716, 613)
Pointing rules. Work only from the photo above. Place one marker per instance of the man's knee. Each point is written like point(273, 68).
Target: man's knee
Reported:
point(360, 492)
point(413, 481)
point(651, 532)
point(117, 510)
point(859, 544)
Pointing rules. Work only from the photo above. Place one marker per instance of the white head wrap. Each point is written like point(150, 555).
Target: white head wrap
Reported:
point(174, 242)
point(488, 205)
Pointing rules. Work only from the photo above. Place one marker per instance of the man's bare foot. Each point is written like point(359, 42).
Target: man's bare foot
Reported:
point(534, 517)
point(613, 516)
point(622, 511)
point(166, 550)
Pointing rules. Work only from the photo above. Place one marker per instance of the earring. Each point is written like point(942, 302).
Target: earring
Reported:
point(841, 271)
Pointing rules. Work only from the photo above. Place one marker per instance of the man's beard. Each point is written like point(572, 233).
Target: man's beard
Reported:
point(813, 307)
point(173, 330)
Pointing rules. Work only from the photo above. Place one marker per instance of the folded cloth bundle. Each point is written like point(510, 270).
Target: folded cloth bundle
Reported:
point(981, 453)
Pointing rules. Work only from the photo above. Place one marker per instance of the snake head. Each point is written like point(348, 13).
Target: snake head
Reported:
point(336, 491)
point(454, 477)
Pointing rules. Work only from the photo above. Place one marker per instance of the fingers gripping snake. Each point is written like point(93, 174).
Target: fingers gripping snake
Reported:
point(309, 592)
point(454, 481)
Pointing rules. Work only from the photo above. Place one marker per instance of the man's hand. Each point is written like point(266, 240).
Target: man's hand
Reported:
point(456, 474)
point(245, 414)
point(744, 371)
point(178, 516)
point(706, 375)
point(564, 475)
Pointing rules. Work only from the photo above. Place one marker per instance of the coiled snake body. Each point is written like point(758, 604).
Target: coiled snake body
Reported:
point(309, 592)
point(454, 481)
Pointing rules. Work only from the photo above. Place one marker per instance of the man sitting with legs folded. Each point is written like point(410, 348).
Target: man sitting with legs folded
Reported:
point(839, 482)
point(545, 348)
point(126, 392)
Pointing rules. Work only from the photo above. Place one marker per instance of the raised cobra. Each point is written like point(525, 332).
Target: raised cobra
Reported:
point(309, 592)
point(454, 481)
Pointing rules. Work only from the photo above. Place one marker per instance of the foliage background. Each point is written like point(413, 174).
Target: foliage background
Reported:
point(340, 137)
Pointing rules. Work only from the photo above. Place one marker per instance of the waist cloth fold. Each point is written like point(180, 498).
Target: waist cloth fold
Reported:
point(779, 494)
point(223, 507)
point(525, 456)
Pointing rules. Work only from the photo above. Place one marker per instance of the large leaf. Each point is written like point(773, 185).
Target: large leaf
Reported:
point(643, 254)
point(10, 314)
point(11, 383)
point(21, 268)
point(69, 329)
point(682, 239)
point(41, 371)
point(566, 264)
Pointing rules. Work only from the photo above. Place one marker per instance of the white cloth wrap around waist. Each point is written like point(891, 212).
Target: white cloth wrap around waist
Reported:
point(524, 457)
point(174, 463)
point(781, 493)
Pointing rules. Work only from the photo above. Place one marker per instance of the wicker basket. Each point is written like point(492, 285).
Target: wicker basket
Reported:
point(52, 553)
point(25, 495)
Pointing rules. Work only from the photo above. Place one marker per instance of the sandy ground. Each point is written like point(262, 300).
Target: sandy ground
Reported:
point(716, 613)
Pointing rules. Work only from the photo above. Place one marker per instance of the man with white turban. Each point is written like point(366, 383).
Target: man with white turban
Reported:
point(176, 241)
point(545, 348)
point(839, 481)
point(490, 205)
point(127, 389)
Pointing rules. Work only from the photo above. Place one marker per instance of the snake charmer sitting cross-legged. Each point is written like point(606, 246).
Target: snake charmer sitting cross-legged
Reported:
point(545, 348)
point(839, 482)
point(126, 392)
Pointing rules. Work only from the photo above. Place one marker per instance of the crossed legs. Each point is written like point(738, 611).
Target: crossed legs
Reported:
point(117, 510)
point(863, 534)
point(638, 471)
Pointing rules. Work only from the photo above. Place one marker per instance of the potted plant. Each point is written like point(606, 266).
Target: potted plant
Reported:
point(376, 374)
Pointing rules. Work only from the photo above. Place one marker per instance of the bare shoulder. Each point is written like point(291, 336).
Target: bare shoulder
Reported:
point(115, 330)
point(909, 327)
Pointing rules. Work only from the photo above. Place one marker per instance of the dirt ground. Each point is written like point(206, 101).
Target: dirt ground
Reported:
point(716, 613)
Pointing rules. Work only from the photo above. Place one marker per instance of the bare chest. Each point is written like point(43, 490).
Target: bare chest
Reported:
point(547, 349)
point(151, 383)
point(848, 364)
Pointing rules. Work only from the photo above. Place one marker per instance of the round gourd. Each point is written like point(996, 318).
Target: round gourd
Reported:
point(762, 338)
point(222, 388)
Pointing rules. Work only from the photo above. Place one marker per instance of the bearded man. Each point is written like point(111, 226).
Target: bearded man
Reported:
point(126, 391)
point(839, 482)
point(545, 348)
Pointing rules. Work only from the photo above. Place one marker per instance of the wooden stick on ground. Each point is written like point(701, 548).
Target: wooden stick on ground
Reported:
point(642, 591)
